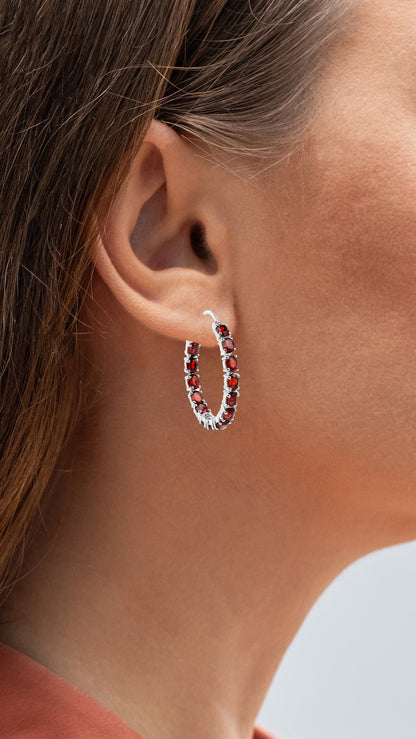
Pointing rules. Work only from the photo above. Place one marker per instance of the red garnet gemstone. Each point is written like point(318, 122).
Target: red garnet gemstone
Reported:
point(232, 381)
point(197, 397)
point(193, 381)
point(228, 414)
point(228, 345)
point(231, 363)
point(231, 399)
point(192, 365)
point(199, 406)
point(223, 330)
point(193, 349)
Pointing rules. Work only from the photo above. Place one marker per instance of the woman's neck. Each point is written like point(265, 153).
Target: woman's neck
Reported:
point(175, 570)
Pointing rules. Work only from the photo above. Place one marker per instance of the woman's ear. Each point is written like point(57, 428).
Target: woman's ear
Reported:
point(163, 248)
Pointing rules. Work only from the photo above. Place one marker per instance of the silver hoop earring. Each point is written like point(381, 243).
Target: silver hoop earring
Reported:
point(228, 408)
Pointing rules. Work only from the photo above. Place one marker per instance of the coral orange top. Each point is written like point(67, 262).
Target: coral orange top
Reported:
point(35, 703)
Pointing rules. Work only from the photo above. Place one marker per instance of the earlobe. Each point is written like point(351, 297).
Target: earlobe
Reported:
point(146, 250)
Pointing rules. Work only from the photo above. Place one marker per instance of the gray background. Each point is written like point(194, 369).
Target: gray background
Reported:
point(350, 672)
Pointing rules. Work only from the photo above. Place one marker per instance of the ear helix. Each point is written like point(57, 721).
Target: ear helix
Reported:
point(199, 406)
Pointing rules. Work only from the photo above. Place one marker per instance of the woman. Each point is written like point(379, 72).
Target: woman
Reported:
point(256, 160)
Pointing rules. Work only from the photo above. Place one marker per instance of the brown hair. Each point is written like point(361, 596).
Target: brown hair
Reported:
point(80, 82)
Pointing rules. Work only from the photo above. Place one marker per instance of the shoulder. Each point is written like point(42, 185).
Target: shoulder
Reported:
point(261, 733)
point(38, 703)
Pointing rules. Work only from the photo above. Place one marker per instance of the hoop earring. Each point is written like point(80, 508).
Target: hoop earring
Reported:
point(199, 406)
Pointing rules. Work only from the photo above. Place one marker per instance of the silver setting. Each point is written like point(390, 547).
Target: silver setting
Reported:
point(207, 419)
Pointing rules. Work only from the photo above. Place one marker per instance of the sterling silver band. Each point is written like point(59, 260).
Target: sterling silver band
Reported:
point(228, 408)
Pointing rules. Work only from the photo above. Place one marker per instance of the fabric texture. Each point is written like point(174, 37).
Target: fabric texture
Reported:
point(35, 703)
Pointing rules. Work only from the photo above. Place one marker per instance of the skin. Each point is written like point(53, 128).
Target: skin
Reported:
point(178, 563)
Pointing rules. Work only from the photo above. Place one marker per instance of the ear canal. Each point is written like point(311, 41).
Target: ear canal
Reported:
point(200, 247)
